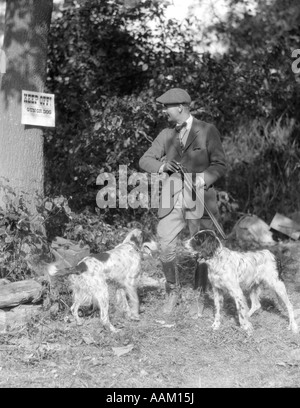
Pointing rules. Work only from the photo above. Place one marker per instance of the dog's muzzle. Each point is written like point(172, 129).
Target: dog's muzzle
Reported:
point(149, 248)
point(187, 245)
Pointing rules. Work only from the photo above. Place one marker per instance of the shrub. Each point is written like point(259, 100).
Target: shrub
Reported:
point(23, 239)
point(263, 169)
point(107, 64)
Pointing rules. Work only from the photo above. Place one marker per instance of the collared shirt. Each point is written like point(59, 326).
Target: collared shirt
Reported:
point(185, 132)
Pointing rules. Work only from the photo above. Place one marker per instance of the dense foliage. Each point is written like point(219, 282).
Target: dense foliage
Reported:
point(22, 237)
point(107, 63)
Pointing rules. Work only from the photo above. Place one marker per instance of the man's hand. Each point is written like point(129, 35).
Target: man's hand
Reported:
point(200, 183)
point(171, 166)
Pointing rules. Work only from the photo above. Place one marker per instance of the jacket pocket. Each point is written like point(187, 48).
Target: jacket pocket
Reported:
point(199, 148)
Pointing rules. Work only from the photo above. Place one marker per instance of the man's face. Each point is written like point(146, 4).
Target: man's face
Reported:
point(172, 112)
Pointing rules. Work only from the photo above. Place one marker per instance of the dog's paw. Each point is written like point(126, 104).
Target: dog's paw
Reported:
point(294, 327)
point(79, 321)
point(248, 328)
point(112, 328)
point(196, 309)
point(215, 325)
point(135, 317)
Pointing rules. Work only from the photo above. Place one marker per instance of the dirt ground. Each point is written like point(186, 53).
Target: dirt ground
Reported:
point(178, 352)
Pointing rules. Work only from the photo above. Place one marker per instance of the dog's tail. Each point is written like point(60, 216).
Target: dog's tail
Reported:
point(53, 269)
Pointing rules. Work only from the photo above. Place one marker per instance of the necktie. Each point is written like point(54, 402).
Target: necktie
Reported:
point(181, 133)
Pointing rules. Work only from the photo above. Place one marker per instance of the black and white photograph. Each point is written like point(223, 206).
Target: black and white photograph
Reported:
point(150, 197)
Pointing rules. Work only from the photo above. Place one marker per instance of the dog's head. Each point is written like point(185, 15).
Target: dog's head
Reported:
point(135, 237)
point(143, 240)
point(204, 244)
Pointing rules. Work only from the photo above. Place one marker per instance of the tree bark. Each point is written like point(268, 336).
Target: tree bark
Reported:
point(27, 23)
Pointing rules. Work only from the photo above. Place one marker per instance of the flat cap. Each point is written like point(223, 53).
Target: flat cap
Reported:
point(174, 95)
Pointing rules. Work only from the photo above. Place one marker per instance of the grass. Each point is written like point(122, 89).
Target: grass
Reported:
point(177, 352)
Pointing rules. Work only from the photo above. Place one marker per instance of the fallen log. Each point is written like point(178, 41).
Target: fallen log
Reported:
point(286, 226)
point(15, 293)
point(18, 316)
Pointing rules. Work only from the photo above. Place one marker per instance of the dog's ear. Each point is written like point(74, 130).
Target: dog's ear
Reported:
point(211, 244)
point(134, 236)
point(199, 237)
point(137, 240)
point(137, 237)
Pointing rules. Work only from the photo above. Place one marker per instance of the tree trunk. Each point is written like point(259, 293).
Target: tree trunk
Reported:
point(27, 23)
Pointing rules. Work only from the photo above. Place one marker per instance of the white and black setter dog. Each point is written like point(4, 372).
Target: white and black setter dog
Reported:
point(120, 266)
point(231, 271)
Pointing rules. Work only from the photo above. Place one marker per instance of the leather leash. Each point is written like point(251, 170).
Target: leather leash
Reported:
point(188, 181)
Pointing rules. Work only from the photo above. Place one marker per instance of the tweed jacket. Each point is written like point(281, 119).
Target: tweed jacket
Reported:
point(203, 153)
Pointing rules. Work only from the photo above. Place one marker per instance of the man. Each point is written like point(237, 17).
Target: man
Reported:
point(196, 146)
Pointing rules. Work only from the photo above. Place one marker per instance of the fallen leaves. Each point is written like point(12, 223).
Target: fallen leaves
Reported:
point(88, 339)
point(120, 351)
point(163, 323)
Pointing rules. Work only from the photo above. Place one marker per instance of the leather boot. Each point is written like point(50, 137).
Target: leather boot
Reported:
point(172, 287)
point(200, 284)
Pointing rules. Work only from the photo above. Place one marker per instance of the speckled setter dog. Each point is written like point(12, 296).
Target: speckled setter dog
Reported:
point(121, 266)
point(231, 271)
